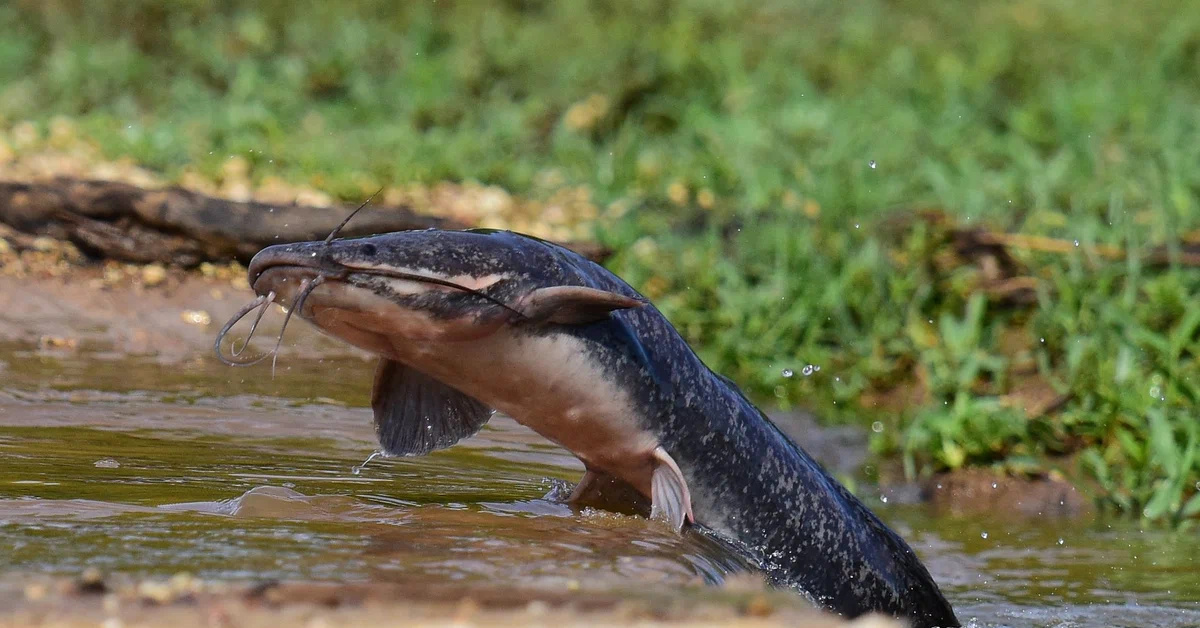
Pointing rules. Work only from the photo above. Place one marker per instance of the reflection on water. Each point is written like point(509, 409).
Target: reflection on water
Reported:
point(227, 474)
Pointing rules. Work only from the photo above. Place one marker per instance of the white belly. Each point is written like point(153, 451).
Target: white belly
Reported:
point(553, 386)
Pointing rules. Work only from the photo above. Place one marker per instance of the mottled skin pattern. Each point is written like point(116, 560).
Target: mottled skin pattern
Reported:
point(749, 483)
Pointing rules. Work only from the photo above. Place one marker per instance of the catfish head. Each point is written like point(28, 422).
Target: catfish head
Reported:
point(464, 322)
point(394, 293)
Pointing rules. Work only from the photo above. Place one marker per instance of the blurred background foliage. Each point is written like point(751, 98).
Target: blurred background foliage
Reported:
point(766, 172)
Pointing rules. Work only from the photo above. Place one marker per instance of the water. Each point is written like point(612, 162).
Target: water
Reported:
point(147, 469)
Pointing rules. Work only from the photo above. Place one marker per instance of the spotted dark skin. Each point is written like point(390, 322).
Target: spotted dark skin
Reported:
point(750, 485)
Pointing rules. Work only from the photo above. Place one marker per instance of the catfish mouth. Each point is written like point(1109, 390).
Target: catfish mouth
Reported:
point(383, 310)
point(285, 280)
point(271, 262)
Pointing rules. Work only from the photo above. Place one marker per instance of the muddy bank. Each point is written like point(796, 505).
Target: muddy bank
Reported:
point(183, 602)
point(125, 310)
point(969, 491)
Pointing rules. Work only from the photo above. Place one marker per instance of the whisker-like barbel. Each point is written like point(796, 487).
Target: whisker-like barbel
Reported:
point(338, 229)
point(261, 303)
point(306, 288)
point(234, 351)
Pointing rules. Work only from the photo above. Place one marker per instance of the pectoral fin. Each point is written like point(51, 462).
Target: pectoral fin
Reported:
point(416, 414)
point(605, 492)
point(669, 494)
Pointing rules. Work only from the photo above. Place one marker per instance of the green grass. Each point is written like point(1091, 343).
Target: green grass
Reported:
point(1074, 120)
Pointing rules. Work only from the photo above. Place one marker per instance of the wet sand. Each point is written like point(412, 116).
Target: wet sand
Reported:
point(183, 602)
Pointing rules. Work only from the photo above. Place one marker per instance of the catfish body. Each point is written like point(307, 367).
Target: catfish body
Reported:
point(470, 321)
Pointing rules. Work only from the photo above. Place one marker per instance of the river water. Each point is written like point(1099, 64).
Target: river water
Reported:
point(150, 469)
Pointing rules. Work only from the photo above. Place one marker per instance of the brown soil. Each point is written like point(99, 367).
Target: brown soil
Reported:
point(982, 490)
point(129, 310)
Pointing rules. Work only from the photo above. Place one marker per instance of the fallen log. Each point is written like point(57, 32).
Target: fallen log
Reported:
point(173, 225)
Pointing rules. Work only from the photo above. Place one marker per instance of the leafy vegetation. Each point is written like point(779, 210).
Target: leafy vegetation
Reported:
point(762, 167)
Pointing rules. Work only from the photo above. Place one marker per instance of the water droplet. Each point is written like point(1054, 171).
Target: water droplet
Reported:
point(993, 485)
point(106, 463)
point(871, 164)
point(807, 370)
point(1077, 243)
point(883, 498)
point(856, 225)
point(877, 427)
point(1060, 541)
point(983, 534)
point(788, 372)
point(374, 454)
point(1043, 341)
point(1155, 391)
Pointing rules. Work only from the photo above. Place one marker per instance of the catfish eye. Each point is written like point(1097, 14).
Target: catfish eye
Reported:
point(367, 249)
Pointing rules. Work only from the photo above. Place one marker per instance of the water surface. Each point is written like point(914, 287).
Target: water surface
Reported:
point(151, 469)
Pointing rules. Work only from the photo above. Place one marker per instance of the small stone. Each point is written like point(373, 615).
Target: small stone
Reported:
point(91, 581)
point(47, 342)
point(36, 592)
point(236, 167)
point(196, 317)
point(159, 592)
point(678, 193)
point(313, 198)
point(113, 274)
point(759, 606)
point(184, 583)
point(153, 275)
point(465, 610)
point(24, 134)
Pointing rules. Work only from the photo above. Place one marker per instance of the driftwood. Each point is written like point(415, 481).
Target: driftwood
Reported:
point(176, 226)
